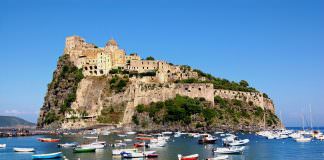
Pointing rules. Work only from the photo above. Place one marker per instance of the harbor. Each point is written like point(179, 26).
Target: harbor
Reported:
point(167, 145)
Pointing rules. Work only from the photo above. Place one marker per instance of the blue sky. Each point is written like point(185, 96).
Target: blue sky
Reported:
point(278, 45)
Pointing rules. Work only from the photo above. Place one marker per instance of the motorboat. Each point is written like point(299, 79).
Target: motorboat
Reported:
point(130, 133)
point(137, 145)
point(177, 134)
point(3, 145)
point(189, 157)
point(119, 145)
point(239, 142)
point(207, 139)
point(119, 151)
point(48, 140)
point(229, 150)
point(220, 157)
point(47, 156)
point(167, 133)
point(128, 140)
point(122, 135)
point(303, 139)
point(138, 154)
point(93, 145)
point(24, 149)
point(90, 137)
point(68, 145)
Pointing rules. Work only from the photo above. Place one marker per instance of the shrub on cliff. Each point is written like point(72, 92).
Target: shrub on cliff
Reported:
point(118, 84)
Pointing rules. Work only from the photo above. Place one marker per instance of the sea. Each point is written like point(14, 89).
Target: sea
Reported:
point(259, 148)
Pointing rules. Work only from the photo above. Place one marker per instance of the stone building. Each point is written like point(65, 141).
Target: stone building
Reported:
point(97, 61)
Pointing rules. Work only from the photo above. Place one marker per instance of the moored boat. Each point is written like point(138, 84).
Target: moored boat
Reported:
point(47, 156)
point(48, 140)
point(229, 150)
point(189, 157)
point(137, 145)
point(119, 151)
point(207, 139)
point(3, 145)
point(24, 149)
point(303, 139)
point(83, 149)
point(68, 145)
point(239, 142)
point(220, 157)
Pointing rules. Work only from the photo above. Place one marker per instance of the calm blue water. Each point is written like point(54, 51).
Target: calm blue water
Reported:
point(258, 148)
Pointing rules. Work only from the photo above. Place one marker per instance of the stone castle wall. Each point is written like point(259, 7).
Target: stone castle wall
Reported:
point(255, 97)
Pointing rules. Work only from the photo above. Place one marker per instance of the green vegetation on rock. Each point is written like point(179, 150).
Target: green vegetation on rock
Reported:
point(201, 114)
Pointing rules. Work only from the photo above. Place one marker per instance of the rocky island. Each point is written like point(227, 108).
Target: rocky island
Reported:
point(105, 86)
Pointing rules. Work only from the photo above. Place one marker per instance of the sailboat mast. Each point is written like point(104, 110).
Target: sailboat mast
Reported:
point(311, 121)
point(303, 121)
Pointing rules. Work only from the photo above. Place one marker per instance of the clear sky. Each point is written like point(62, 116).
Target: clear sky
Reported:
point(277, 45)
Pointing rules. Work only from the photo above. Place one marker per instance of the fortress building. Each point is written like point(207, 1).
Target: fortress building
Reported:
point(97, 61)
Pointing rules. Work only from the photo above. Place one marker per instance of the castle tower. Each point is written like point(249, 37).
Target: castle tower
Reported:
point(118, 56)
point(73, 42)
point(112, 45)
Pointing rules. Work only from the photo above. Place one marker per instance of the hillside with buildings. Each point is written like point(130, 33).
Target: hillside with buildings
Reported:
point(94, 85)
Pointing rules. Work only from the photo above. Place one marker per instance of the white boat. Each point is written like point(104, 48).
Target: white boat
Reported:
point(137, 154)
point(3, 145)
point(128, 140)
point(177, 134)
point(122, 135)
point(119, 151)
point(166, 133)
point(91, 137)
point(68, 145)
point(303, 139)
point(24, 149)
point(229, 150)
point(93, 145)
point(105, 133)
point(220, 157)
point(239, 142)
point(131, 133)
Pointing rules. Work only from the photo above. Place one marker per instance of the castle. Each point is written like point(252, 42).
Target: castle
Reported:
point(96, 61)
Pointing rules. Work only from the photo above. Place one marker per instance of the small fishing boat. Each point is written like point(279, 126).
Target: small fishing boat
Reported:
point(24, 149)
point(149, 154)
point(229, 150)
point(93, 145)
point(122, 135)
point(90, 137)
point(137, 145)
point(68, 145)
point(207, 139)
point(239, 142)
point(130, 133)
point(167, 133)
point(47, 156)
point(128, 140)
point(119, 151)
point(220, 157)
point(190, 157)
point(3, 145)
point(48, 140)
point(83, 149)
point(303, 139)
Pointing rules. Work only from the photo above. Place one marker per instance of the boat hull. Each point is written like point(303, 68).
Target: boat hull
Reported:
point(47, 156)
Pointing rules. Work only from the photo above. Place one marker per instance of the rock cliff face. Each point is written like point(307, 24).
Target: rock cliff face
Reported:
point(60, 93)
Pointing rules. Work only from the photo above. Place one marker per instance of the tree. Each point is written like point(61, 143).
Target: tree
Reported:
point(244, 83)
point(150, 58)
